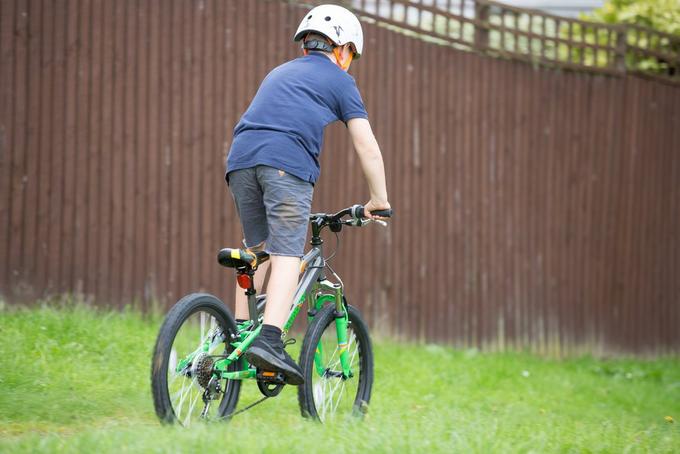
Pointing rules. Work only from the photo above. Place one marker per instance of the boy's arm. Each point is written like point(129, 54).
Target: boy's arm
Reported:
point(371, 162)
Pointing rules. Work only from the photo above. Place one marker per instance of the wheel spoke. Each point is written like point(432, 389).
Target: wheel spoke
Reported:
point(182, 396)
point(327, 396)
point(342, 390)
point(202, 317)
point(354, 354)
point(192, 404)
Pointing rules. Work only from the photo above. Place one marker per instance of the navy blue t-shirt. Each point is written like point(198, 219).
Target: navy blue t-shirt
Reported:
point(283, 126)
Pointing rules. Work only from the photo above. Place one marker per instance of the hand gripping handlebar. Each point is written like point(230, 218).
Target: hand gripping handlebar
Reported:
point(357, 212)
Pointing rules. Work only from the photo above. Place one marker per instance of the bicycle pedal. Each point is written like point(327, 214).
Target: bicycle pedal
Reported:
point(271, 377)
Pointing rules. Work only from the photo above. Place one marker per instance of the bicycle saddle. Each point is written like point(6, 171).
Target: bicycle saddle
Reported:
point(241, 258)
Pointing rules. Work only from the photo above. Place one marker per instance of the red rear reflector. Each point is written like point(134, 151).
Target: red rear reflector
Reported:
point(243, 281)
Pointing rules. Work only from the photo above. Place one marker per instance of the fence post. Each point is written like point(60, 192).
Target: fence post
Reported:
point(481, 25)
point(621, 45)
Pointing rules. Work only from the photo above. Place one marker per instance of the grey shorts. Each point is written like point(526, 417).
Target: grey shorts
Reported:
point(274, 208)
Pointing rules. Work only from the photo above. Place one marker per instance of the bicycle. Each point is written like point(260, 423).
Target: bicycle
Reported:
point(199, 352)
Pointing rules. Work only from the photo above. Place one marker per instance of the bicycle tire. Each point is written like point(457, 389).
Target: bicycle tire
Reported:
point(181, 312)
point(310, 406)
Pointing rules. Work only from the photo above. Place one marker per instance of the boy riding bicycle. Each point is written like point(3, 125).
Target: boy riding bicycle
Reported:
point(273, 163)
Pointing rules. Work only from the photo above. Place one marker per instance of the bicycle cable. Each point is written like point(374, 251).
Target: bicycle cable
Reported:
point(342, 284)
point(325, 260)
point(337, 247)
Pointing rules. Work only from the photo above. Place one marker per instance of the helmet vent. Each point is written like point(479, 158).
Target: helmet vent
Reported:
point(309, 17)
point(328, 18)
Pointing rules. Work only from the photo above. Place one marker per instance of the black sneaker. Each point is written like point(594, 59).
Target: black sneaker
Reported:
point(265, 356)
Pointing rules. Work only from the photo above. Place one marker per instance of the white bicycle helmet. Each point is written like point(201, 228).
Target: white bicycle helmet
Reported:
point(334, 22)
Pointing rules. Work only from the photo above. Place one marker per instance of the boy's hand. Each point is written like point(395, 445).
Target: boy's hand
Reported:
point(375, 205)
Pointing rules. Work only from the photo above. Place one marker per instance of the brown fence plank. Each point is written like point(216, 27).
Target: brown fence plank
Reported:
point(118, 147)
point(220, 193)
point(153, 150)
point(26, 291)
point(18, 153)
point(173, 245)
point(129, 166)
point(82, 20)
point(57, 143)
point(7, 122)
point(141, 56)
point(6, 94)
point(204, 190)
point(70, 158)
point(186, 51)
point(94, 76)
point(103, 256)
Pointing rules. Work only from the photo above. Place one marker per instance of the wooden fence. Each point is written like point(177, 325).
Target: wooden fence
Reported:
point(535, 207)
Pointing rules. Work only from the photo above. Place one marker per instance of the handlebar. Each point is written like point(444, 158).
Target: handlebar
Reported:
point(356, 212)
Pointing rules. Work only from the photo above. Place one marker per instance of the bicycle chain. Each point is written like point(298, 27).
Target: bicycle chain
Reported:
point(249, 406)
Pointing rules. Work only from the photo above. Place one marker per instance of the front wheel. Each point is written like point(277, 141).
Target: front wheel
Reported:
point(327, 393)
point(196, 332)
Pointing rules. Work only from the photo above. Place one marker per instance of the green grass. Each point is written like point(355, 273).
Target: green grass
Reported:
point(77, 380)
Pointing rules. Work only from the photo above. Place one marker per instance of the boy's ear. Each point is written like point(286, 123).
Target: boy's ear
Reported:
point(348, 50)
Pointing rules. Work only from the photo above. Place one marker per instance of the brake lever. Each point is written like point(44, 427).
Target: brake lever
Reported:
point(365, 221)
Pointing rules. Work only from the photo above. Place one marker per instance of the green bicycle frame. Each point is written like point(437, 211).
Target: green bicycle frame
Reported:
point(315, 289)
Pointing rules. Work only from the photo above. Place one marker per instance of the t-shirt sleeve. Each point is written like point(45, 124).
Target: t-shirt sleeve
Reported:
point(350, 104)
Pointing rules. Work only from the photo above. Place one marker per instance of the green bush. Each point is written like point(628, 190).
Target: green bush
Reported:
point(659, 15)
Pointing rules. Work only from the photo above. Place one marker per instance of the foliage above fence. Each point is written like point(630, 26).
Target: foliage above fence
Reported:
point(530, 35)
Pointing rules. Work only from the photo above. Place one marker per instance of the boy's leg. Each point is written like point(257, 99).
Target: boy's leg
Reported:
point(267, 352)
point(281, 289)
point(247, 194)
point(288, 201)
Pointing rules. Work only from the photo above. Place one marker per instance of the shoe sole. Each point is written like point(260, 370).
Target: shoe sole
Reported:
point(265, 361)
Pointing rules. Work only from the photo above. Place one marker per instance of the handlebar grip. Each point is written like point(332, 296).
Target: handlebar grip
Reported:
point(382, 213)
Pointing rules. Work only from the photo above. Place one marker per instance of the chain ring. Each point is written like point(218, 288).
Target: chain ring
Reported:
point(269, 389)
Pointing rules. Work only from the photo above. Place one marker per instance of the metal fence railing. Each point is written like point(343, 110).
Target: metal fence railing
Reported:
point(530, 35)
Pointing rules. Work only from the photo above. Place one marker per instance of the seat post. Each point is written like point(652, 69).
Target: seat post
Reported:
point(252, 299)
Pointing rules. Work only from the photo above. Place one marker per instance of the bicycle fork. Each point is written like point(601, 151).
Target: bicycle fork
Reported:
point(341, 324)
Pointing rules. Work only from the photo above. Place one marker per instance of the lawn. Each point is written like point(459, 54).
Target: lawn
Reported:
point(77, 380)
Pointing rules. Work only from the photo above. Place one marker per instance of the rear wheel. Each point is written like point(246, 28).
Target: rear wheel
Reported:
point(326, 393)
point(195, 333)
